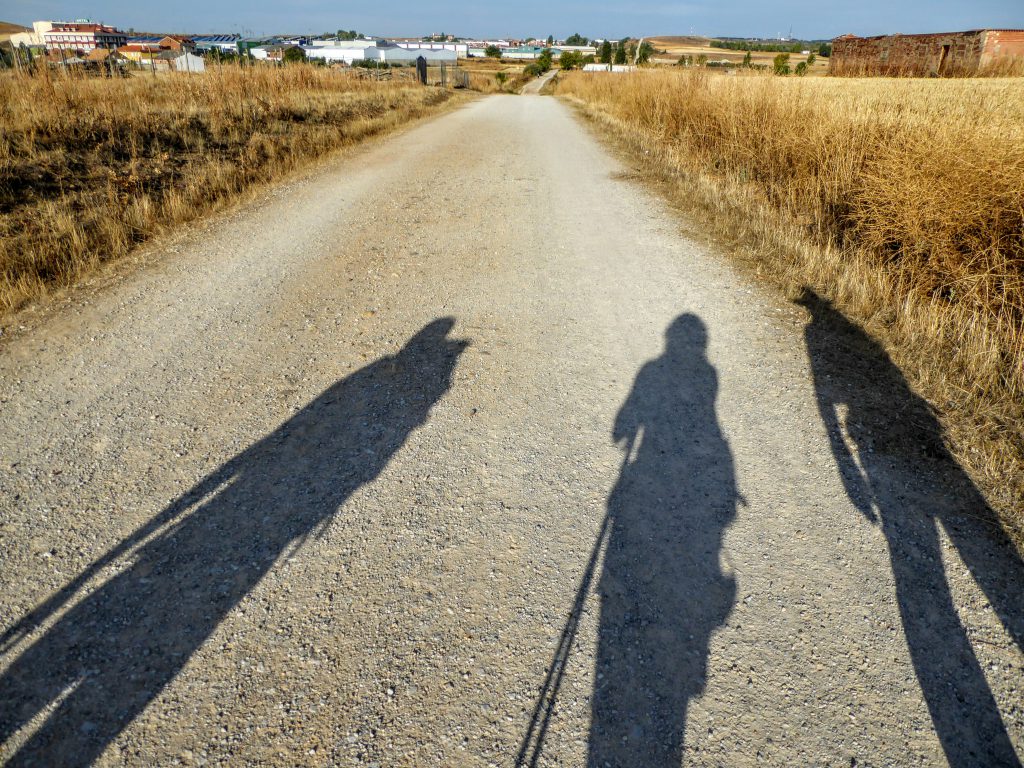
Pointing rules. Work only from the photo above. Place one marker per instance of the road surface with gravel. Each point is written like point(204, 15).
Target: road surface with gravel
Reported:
point(460, 451)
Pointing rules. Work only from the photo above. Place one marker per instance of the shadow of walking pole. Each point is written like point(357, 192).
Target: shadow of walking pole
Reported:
point(533, 742)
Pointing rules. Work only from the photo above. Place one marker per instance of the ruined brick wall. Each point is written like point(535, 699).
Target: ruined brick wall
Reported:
point(1000, 43)
point(954, 53)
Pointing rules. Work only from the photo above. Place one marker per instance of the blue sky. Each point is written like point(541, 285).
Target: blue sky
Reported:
point(537, 18)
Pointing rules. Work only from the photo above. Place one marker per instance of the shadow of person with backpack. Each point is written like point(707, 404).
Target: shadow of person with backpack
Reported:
point(662, 588)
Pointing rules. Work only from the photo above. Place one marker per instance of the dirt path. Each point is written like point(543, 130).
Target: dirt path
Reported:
point(536, 85)
point(322, 487)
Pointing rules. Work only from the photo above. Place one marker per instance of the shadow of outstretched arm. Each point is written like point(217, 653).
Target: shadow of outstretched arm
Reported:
point(855, 482)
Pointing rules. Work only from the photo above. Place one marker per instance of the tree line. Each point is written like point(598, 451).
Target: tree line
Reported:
point(824, 49)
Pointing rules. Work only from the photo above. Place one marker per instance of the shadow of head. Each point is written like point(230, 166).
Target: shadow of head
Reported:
point(686, 334)
point(808, 298)
point(433, 337)
point(822, 309)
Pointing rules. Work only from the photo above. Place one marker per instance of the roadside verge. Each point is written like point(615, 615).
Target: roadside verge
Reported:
point(962, 355)
point(90, 168)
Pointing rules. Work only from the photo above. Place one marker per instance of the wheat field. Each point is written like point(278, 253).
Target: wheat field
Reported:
point(901, 200)
point(90, 167)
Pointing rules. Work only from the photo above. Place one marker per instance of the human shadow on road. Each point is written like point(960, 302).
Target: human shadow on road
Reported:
point(105, 659)
point(899, 474)
point(662, 588)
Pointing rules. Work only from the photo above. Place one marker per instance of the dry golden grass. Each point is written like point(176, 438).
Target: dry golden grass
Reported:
point(487, 82)
point(90, 167)
point(901, 200)
point(484, 74)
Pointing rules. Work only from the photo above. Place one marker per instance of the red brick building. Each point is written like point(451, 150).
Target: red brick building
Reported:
point(82, 36)
point(944, 53)
point(177, 43)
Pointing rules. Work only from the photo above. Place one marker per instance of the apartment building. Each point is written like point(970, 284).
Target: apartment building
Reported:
point(82, 36)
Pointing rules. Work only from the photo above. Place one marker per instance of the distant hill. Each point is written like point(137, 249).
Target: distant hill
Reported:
point(682, 41)
point(6, 28)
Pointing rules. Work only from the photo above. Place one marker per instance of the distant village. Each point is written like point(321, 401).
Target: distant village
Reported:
point(85, 43)
point(90, 45)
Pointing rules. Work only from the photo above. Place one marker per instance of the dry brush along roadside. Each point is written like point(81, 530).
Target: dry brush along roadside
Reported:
point(901, 201)
point(92, 167)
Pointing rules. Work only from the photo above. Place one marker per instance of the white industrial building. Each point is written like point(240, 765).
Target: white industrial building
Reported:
point(349, 51)
point(529, 52)
point(461, 49)
point(409, 55)
point(336, 43)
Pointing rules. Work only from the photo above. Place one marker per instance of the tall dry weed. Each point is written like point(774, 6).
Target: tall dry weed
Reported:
point(90, 167)
point(903, 200)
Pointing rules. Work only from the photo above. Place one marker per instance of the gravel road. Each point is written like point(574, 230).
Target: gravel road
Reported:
point(459, 451)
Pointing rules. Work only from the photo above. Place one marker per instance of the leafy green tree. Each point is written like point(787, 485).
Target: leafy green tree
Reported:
point(571, 60)
point(811, 58)
point(748, 59)
point(576, 39)
point(294, 55)
point(792, 46)
point(780, 64)
point(825, 50)
point(551, 40)
point(604, 53)
point(620, 54)
point(492, 52)
point(644, 52)
point(544, 60)
point(801, 68)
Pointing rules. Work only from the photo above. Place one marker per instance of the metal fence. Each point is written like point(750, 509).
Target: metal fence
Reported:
point(447, 75)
